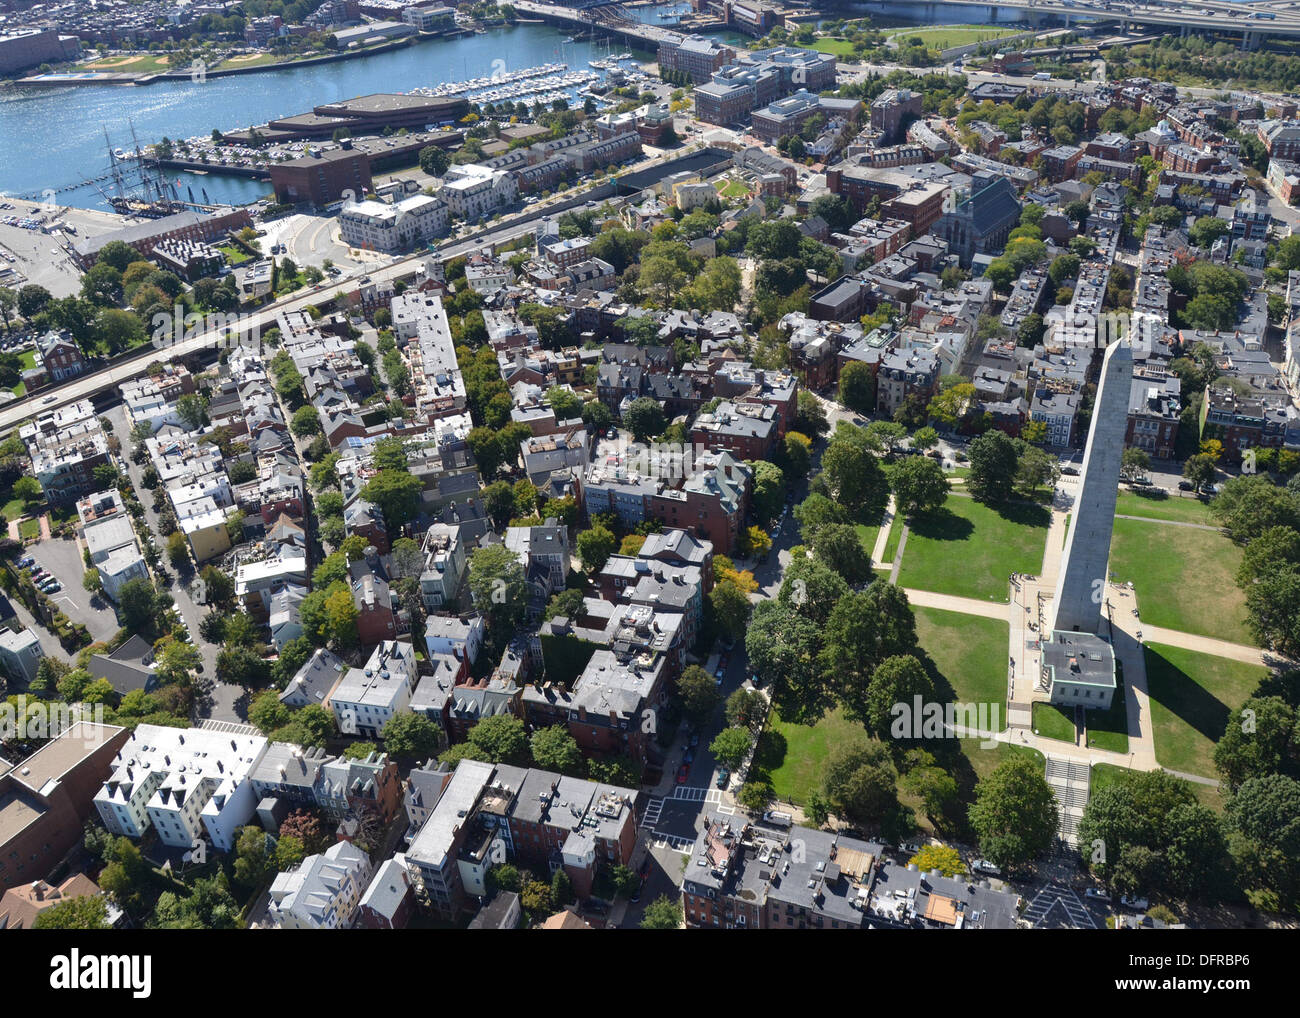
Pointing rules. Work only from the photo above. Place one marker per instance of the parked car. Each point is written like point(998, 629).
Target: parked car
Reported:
point(984, 866)
point(1070, 471)
point(1135, 903)
point(688, 756)
point(54, 587)
point(683, 773)
point(724, 776)
point(1096, 894)
point(778, 819)
point(1186, 486)
point(695, 738)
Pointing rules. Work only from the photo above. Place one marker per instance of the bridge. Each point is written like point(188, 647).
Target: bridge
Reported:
point(1254, 22)
point(607, 18)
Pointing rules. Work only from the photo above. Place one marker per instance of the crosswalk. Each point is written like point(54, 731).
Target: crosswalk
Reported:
point(1061, 899)
point(653, 811)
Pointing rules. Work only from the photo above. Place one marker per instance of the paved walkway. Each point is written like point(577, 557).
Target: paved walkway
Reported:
point(953, 603)
point(1171, 523)
point(1206, 645)
point(898, 555)
point(882, 536)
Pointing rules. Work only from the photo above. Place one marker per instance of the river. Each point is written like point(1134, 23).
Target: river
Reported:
point(54, 137)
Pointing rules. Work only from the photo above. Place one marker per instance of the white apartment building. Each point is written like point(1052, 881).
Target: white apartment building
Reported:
point(184, 783)
point(20, 654)
point(474, 191)
point(110, 539)
point(379, 226)
point(324, 892)
point(367, 698)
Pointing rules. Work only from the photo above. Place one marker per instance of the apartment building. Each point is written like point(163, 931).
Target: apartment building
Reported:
point(379, 226)
point(367, 698)
point(324, 892)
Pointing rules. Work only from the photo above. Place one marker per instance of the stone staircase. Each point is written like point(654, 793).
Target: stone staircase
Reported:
point(1070, 782)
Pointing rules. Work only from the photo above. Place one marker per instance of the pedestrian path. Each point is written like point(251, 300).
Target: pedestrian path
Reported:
point(898, 555)
point(882, 535)
point(954, 603)
point(1070, 782)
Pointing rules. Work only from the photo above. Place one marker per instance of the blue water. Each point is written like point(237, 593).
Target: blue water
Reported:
point(54, 137)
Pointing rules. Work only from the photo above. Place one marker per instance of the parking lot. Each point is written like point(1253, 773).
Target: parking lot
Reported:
point(62, 558)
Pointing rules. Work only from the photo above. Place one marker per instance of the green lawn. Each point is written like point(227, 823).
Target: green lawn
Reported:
point(29, 529)
point(1191, 697)
point(1053, 722)
point(1108, 729)
point(1184, 578)
point(733, 189)
point(895, 535)
point(1183, 510)
point(969, 654)
point(831, 44)
point(948, 36)
point(867, 535)
point(968, 549)
point(794, 756)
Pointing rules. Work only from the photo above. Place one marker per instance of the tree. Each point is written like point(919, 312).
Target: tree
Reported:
point(731, 746)
point(860, 782)
point(644, 417)
point(919, 485)
point(783, 646)
point(944, 858)
point(1264, 817)
point(500, 739)
point(1134, 462)
point(814, 513)
point(1035, 469)
point(935, 787)
point(993, 464)
point(755, 795)
point(87, 912)
point(1261, 738)
point(305, 422)
point(1275, 551)
point(396, 494)
point(1251, 504)
point(1199, 469)
point(896, 680)
point(139, 604)
point(498, 588)
point(810, 415)
point(745, 708)
point(554, 749)
point(595, 546)
point(854, 478)
point(812, 589)
point(1014, 813)
point(411, 735)
point(863, 630)
point(839, 547)
point(731, 608)
point(769, 490)
point(28, 489)
point(268, 713)
point(925, 438)
point(434, 161)
point(662, 914)
point(178, 550)
point(1273, 611)
point(699, 695)
point(858, 387)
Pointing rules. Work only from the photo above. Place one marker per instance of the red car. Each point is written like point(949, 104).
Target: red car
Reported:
point(683, 773)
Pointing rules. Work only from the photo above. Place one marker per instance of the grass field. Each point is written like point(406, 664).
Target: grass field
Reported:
point(968, 654)
point(143, 63)
point(1183, 510)
point(29, 529)
point(1184, 578)
point(1053, 722)
point(895, 535)
point(970, 550)
point(1191, 697)
point(794, 756)
point(1108, 729)
point(733, 189)
point(832, 44)
point(867, 535)
point(948, 36)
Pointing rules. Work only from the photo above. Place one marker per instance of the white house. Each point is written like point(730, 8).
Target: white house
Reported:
point(366, 698)
point(183, 783)
point(324, 892)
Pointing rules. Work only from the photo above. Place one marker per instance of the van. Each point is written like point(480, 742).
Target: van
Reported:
point(778, 819)
point(1042, 76)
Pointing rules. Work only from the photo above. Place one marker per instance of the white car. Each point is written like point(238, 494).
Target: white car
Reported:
point(984, 866)
point(1135, 903)
point(48, 400)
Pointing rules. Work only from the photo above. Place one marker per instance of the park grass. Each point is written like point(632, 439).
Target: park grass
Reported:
point(143, 63)
point(733, 189)
point(1108, 729)
point(1192, 695)
point(969, 550)
point(1053, 722)
point(1178, 509)
point(867, 536)
point(793, 756)
point(29, 529)
point(943, 37)
point(831, 44)
point(985, 759)
point(895, 535)
point(968, 654)
point(233, 254)
point(1184, 577)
